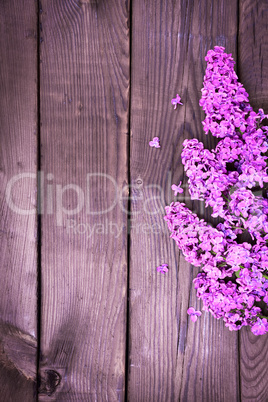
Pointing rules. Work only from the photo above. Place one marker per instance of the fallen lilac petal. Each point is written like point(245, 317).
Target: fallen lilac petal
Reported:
point(154, 143)
point(162, 268)
point(177, 189)
point(176, 101)
point(193, 313)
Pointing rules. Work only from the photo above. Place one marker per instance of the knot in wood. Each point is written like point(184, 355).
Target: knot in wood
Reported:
point(49, 382)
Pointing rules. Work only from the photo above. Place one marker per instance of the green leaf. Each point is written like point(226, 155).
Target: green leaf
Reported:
point(237, 273)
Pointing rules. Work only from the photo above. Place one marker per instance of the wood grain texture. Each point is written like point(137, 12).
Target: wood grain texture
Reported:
point(18, 268)
point(253, 73)
point(170, 357)
point(253, 366)
point(84, 116)
point(253, 50)
point(17, 364)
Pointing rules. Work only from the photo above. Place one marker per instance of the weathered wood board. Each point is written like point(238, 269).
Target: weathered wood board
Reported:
point(84, 92)
point(253, 73)
point(18, 168)
point(170, 357)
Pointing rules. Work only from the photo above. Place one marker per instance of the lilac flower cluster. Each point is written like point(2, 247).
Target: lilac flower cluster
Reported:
point(234, 276)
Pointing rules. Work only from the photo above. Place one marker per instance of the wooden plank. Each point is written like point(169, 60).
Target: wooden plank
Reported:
point(253, 371)
point(253, 51)
point(253, 73)
point(18, 268)
point(172, 358)
point(84, 116)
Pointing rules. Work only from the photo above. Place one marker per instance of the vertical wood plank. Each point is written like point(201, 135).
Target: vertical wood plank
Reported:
point(84, 117)
point(253, 73)
point(18, 268)
point(172, 358)
point(253, 51)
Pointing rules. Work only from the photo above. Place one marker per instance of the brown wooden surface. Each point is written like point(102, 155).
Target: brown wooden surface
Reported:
point(170, 357)
point(253, 51)
point(18, 118)
point(253, 70)
point(93, 346)
point(84, 125)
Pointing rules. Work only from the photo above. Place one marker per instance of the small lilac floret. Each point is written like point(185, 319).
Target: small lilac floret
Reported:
point(176, 101)
point(193, 313)
point(177, 189)
point(162, 268)
point(154, 143)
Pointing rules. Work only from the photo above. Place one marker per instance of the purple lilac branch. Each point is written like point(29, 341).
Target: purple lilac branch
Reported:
point(234, 276)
